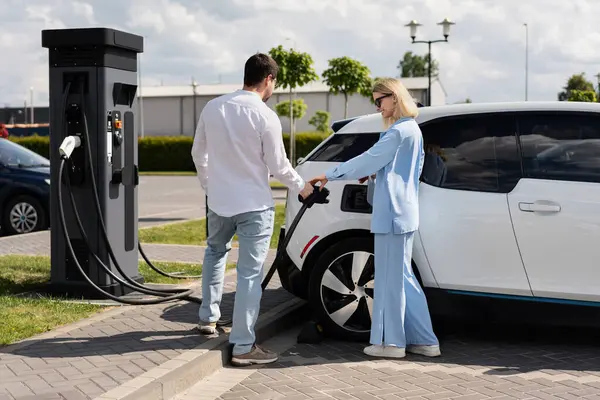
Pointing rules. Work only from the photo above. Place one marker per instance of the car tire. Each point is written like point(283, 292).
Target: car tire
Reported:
point(344, 316)
point(29, 210)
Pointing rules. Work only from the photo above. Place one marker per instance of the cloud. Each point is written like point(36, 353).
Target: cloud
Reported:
point(210, 40)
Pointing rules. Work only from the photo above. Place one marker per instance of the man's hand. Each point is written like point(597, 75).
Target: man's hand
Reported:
point(319, 179)
point(364, 178)
point(307, 190)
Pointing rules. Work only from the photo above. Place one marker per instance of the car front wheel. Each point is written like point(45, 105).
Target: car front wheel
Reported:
point(23, 214)
point(341, 289)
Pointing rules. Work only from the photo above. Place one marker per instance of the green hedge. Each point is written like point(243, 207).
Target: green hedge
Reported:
point(173, 153)
point(38, 144)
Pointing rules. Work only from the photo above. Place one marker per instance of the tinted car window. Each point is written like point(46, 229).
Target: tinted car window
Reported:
point(561, 146)
point(12, 154)
point(343, 147)
point(477, 153)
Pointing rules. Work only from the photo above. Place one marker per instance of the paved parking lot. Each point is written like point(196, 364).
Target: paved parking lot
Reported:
point(482, 362)
point(164, 199)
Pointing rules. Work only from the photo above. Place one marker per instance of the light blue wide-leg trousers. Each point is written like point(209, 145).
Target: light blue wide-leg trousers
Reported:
point(400, 312)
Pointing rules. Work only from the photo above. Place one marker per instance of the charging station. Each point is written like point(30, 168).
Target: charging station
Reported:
point(93, 84)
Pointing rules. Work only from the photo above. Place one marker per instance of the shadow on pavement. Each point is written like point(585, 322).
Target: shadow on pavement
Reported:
point(143, 329)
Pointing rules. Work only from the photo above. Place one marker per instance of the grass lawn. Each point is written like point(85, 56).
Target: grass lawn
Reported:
point(22, 318)
point(194, 232)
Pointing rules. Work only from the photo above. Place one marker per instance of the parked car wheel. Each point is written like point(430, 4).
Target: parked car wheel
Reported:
point(341, 289)
point(23, 214)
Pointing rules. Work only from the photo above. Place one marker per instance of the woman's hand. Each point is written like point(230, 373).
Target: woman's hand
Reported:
point(321, 179)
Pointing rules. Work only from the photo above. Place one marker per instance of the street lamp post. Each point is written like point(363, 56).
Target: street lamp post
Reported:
point(413, 25)
point(31, 100)
point(194, 126)
point(292, 126)
point(194, 86)
point(526, 60)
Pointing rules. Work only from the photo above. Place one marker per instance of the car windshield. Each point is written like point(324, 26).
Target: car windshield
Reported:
point(14, 155)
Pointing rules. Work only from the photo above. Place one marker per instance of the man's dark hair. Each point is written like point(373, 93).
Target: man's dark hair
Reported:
point(258, 67)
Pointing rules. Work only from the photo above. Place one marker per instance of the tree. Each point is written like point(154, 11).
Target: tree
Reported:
point(414, 66)
point(588, 96)
point(295, 70)
point(298, 109)
point(575, 82)
point(348, 76)
point(320, 121)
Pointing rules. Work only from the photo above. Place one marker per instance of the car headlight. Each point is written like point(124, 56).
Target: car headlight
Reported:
point(47, 181)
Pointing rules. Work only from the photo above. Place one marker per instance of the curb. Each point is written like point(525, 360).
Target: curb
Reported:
point(179, 374)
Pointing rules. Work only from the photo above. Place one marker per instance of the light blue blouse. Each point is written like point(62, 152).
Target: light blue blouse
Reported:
point(397, 158)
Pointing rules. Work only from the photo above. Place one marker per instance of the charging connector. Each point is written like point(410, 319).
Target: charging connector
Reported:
point(68, 145)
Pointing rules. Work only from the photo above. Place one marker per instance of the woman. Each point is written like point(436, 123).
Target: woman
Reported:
point(400, 320)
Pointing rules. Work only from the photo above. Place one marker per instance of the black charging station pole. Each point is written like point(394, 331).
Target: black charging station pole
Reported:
point(99, 66)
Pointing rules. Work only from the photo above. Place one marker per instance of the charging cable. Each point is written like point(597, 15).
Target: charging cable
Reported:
point(68, 146)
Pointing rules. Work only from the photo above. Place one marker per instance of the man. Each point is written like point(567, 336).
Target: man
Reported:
point(242, 138)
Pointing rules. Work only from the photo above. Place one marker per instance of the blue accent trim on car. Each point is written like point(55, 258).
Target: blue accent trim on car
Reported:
point(526, 298)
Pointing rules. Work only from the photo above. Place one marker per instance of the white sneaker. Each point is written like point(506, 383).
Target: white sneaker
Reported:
point(427, 351)
point(207, 328)
point(393, 352)
point(385, 351)
point(375, 350)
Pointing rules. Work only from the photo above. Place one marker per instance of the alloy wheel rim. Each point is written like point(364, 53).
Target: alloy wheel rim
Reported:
point(347, 290)
point(23, 217)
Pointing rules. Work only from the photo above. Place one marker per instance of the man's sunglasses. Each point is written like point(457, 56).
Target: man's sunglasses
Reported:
point(378, 100)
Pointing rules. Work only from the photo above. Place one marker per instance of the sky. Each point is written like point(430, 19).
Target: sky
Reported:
point(210, 40)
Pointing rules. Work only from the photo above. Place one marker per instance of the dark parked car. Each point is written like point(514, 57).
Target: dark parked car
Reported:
point(24, 189)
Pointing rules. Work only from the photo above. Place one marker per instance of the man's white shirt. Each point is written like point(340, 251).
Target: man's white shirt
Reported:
point(243, 137)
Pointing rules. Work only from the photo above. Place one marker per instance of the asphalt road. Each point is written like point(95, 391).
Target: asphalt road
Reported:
point(165, 199)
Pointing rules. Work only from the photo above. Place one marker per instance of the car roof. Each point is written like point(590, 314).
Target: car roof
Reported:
point(373, 122)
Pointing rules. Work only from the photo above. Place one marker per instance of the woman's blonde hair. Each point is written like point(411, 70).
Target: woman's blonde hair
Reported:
point(405, 105)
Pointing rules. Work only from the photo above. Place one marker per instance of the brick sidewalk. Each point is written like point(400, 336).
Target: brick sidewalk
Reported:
point(114, 347)
point(474, 365)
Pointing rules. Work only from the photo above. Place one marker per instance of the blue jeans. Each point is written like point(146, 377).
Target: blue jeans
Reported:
point(254, 230)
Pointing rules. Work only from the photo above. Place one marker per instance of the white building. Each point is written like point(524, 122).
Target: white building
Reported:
point(169, 110)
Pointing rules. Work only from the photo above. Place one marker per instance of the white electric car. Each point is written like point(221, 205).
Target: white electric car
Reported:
point(509, 207)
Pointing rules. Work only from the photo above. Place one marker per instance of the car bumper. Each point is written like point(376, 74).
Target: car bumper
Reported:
point(290, 276)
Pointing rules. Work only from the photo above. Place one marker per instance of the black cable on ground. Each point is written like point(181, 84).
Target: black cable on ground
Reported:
point(168, 295)
point(87, 278)
point(141, 289)
point(176, 275)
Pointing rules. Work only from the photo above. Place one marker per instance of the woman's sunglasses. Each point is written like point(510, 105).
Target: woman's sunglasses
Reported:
point(378, 100)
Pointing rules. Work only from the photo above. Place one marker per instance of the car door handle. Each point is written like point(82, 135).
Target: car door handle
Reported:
point(541, 206)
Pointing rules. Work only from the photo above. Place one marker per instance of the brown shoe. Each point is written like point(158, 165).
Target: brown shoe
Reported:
point(256, 356)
